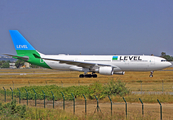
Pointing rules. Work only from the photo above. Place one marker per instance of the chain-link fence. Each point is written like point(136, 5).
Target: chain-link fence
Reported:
point(71, 104)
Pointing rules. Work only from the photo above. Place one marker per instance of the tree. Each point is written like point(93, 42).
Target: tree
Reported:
point(167, 57)
point(163, 54)
point(5, 65)
point(0, 63)
point(19, 63)
point(3, 61)
point(34, 66)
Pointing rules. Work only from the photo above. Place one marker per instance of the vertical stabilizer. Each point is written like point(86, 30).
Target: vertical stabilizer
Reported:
point(25, 51)
point(20, 43)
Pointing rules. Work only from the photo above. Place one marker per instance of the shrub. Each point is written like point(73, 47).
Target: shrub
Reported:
point(116, 88)
point(11, 110)
point(96, 89)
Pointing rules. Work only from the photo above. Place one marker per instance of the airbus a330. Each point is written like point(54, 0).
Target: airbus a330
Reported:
point(102, 64)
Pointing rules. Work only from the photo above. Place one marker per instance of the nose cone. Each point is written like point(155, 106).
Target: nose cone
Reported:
point(168, 64)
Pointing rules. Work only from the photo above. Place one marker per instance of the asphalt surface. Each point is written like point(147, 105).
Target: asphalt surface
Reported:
point(151, 92)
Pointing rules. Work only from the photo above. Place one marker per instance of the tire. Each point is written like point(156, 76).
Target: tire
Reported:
point(94, 75)
point(150, 75)
point(88, 75)
point(81, 76)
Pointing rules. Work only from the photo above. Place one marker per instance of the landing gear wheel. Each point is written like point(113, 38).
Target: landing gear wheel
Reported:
point(81, 76)
point(94, 75)
point(150, 75)
point(88, 75)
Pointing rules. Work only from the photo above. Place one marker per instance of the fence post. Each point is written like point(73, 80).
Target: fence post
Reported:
point(13, 85)
point(26, 95)
point(125, 106)
point(35, 97)
point(53, 98)
point(44, 98)
point(4, 94)
point(142, 106)
point(141, 87)
point(19, 95)
point(29, 83)
point(73, 103)
point(79, 83)
point(97, 104)
point(63, 100)
point(61, 83)
point(162, 86)
point(11, 93)
point(111, 104)
point(160, 109)
point(85, 104)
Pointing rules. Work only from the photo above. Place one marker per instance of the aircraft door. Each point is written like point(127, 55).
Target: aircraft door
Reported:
point(152, 62)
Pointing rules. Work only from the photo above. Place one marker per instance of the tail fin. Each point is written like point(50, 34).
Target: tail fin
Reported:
point(25, 51)
point(22, 46)
point(20, 43)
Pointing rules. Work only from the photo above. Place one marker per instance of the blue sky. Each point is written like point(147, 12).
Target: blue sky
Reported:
point(89, 27)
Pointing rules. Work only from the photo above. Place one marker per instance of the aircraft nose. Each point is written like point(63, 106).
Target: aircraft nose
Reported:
point(169, 64)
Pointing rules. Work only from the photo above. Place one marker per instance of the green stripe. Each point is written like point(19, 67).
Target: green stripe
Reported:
point(34, 57)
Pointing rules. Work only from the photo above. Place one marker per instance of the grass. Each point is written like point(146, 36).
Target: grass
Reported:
point(57, 114)
point(146, 98)
point(133, 80)
point(67, 78)
point(151, 111)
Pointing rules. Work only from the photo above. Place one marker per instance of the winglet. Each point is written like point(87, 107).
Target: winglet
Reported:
point(20, 43)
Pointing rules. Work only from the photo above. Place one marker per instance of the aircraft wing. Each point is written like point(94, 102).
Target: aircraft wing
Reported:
point(25, 58)
point(78, 63)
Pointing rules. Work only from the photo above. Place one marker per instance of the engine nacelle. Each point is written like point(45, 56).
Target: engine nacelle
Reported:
point(106, 70)
point(119, 72)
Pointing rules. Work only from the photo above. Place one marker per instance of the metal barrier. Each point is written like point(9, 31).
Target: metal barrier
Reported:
point(98, 108)
point(26, 96)
point(63, 100)
point(73, 103)
point(44, 98)
point(4, 94)
point(11, 93)
point(142, 106)
point(53, 98)
point(35, 97)
point(160, 109)
point(111, 104)
point(85, 104)
point(19, 95)
point(125, 106)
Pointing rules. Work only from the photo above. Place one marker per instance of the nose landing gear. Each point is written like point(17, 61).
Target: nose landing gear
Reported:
point(151, 75)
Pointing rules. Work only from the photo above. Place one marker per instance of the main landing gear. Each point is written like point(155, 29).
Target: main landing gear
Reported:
point(88, 75)
point(151, 75)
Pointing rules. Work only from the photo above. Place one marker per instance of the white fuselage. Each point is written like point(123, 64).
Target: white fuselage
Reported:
point(102, 64)
point(121, 62)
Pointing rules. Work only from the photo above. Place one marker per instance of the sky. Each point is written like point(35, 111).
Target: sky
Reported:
point(94, 27)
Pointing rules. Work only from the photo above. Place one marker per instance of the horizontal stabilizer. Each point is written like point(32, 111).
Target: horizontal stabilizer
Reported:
point(25, 58)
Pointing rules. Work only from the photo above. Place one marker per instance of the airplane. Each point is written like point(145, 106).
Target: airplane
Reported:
point(102, 64)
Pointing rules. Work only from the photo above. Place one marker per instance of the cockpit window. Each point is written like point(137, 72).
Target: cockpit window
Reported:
point(163, 60)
